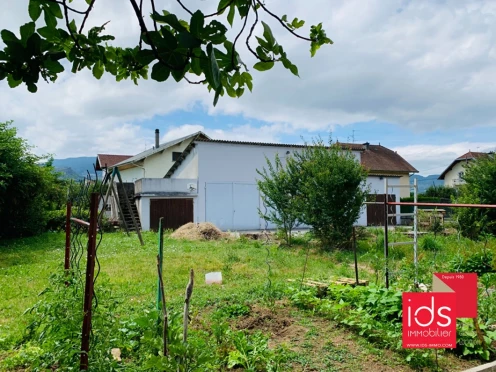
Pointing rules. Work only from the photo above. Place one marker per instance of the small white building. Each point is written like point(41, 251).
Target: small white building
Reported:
point(199, 179)
point(453, 174)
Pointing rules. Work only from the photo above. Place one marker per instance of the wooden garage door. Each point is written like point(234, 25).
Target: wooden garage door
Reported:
point(176, 212)
point(375, 212)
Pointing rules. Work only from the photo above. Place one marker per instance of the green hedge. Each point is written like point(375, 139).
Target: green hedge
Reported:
point(420, 199)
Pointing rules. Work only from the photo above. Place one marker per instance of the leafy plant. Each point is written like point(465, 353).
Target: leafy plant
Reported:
point(428, 243)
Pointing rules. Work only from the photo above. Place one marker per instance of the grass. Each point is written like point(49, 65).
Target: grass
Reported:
point(130, 271)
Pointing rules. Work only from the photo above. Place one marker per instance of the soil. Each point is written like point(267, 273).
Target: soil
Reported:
point(324, 345)
point(198, 231)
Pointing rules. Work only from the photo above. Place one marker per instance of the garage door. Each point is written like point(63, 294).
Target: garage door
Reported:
point(233, 206)
point(176, 212)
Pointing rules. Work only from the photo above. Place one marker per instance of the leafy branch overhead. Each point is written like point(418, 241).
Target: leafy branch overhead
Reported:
point(197, 50)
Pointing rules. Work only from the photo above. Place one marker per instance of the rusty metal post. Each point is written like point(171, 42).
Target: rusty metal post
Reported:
point(386, 243)
point(88, 291)
point(67, 261)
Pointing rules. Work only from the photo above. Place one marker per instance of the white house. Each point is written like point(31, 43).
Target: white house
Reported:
point(197, 179)
point(453, 175)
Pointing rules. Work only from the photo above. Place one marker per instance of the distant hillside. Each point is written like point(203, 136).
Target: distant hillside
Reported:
point(76, 168)
point(424, 182)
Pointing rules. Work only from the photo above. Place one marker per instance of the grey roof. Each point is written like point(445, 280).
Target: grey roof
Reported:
point(162, 147)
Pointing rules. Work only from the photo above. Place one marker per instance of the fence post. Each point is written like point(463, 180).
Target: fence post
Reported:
point(88, 291)
point(160, 260)
point(355, 253)
point(67, 261)
point(386, 243)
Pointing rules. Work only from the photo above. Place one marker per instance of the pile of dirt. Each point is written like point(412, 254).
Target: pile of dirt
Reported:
point(198, 231)
point(262, 319)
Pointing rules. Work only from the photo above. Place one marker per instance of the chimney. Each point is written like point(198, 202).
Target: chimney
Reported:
point(366, 146)
point(157, 138)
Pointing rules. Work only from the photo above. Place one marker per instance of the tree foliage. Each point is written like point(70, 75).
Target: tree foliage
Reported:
point(479, 188)
point(444, 192)
point(196, 50)
point(279, 190)
point(28, 189)
point(321, 186)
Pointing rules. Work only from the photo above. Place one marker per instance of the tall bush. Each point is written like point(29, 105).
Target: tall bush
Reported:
point(279, 189)
point(331, 192)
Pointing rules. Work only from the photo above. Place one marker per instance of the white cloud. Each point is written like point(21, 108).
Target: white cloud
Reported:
point(434, 159)
point(423, 64)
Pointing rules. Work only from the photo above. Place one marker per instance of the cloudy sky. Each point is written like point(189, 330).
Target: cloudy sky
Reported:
point(415, 76)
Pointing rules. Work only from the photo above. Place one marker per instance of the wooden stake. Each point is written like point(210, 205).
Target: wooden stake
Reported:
point(189, 292)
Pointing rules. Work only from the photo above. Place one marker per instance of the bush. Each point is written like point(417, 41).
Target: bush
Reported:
point(56, 220)
point(428, 243)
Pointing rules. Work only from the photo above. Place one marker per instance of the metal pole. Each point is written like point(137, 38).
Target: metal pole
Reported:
point(415, 227)
point(67, 261)
point(88, 291)
point(386, 245)
point(160, 261)
point(355, 253)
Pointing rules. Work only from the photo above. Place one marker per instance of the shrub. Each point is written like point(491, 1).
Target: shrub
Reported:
point(56, 220)
point(428, 243)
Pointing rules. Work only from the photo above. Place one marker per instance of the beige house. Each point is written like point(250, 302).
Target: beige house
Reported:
point(453, 175)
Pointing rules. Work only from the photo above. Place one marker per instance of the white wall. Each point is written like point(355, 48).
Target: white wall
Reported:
point(220, 162)
point(155, 166)
point(189, 166)
point(452, 177)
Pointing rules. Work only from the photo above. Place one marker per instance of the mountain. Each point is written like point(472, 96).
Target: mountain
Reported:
point(423, 183)
point(76, 168)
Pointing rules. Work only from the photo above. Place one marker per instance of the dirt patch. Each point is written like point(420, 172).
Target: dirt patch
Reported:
point(198, 231)
point(264, 320)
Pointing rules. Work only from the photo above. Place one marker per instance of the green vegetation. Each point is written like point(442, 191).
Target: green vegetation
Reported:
point(240, 324)
point(30, 192)
point(479, 188)
point(321, 186)
point(197, 49)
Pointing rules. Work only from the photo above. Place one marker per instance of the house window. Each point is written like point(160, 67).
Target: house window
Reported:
point(460, 175)
point(175, 155)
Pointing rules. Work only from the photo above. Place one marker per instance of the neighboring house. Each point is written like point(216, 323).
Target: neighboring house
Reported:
point(107, 161)
point(453, 175)
point(195, 178)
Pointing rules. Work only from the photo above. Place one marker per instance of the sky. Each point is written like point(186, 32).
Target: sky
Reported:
point(418, 77)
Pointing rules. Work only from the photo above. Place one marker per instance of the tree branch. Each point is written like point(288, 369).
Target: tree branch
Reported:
point(68, 7)
point(194, 82)
point(282, 22)
point(250, 35)
point(140, 45)
point(220, 10)
point(186, 9)
point(66, 13)
point(237, 37)
point(87, 13)
point(154, 11)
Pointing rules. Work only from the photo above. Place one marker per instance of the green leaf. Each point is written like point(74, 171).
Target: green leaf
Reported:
point(98, 69)
point(49, 33)
point(32, 87)
point(313, 48)
point(9, 37)
point(26, 31)
point(239, 92)
point(268, 34)
point(243, 7)
point(222, 5)
point(217, 95)
point(215, 69)
point(12, 82)
point(33, 45)
point(55, 9)
point(215, 32)
point(160, 72)
point(50, 19)
point(178, 75)
point(284, 18)
point(246, 77)
point(54, 66)
point(287, 64)
point(187, 40)
point(197, 21)
point(145, 56)
point(231, 92)
point(195, 64)
point(171, 20)
point(263, 66)
point(34, 9)
point(231, 14)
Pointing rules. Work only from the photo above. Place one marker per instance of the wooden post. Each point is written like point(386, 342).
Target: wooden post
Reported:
point(189, 292)
point(160, 260)
point(355, 254)
point(88, 291)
